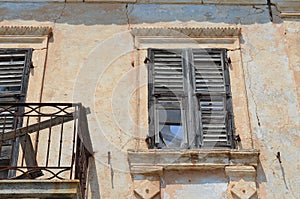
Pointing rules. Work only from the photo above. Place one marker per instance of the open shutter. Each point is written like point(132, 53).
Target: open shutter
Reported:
point(210, 88)
point(14, 74)
point(166, 91)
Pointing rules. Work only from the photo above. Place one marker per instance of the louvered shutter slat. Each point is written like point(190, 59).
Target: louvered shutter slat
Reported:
point(11, 75)
point(210, 59)
point(18, 69)
point(10, 72)
point(9, 55)
point(12, 63)
point(10, 83)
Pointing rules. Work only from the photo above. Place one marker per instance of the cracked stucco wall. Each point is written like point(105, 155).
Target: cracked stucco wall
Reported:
point(91, 59)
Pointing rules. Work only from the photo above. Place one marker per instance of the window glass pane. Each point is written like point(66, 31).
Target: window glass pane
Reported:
point(170, 122)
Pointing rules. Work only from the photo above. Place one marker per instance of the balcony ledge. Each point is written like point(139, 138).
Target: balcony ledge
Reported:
point(156, 160)
point(67, 189)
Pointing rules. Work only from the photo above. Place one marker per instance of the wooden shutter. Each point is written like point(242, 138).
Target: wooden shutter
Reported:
point(165, 90)
point(210, 87)
point(14, 74)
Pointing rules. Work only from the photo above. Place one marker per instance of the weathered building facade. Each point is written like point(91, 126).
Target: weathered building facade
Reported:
point(98, 53)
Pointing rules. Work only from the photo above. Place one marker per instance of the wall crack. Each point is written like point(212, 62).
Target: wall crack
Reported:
point(270, 9)
point(127, 16)
point(252, 93)
point(60, 15)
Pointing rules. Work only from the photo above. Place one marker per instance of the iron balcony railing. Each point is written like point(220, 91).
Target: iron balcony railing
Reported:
point(44, 141)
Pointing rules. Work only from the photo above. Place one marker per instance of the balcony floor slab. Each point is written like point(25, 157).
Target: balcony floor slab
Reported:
point(67, 189)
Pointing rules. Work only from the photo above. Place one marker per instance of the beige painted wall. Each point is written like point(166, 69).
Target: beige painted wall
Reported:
point(91, 59)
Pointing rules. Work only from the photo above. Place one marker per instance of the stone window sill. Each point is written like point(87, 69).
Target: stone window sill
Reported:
point(157, 160)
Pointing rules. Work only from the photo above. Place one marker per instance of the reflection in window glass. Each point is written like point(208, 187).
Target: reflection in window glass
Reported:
point(170, 124)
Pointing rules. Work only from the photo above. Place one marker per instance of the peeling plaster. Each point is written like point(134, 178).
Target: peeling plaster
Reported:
point(81, 28)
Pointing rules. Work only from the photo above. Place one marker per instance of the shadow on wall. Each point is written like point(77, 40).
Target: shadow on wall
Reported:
point(123, 14)
point(93, 184)
point(261, 176)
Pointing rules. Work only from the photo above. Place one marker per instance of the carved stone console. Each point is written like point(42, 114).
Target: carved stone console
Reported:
point(241, 182)
point(147, 188)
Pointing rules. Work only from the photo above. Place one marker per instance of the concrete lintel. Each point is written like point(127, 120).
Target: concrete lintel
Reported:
point(68, 189)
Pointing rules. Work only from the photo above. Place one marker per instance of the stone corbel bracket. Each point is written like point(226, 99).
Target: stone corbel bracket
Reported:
point(177, 37)
point(241, 182)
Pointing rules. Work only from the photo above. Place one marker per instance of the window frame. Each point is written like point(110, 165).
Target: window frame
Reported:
point(190, 97)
